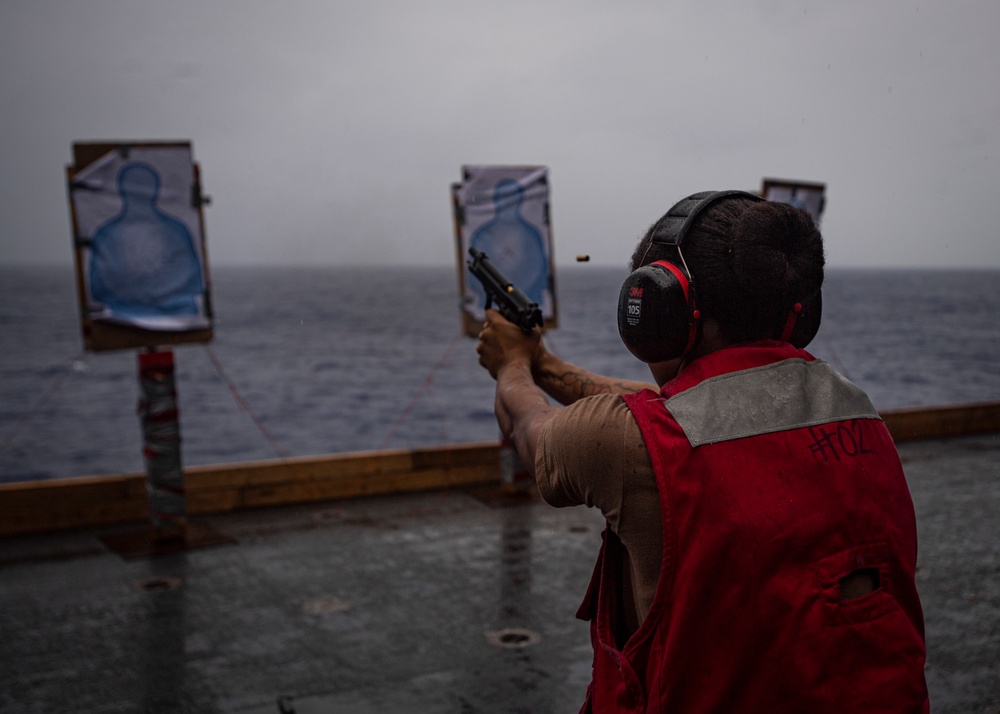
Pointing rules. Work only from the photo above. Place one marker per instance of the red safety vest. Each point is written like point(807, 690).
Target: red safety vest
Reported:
point(777, 479)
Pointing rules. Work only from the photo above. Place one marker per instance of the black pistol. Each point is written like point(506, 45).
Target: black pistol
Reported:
point(513, 304)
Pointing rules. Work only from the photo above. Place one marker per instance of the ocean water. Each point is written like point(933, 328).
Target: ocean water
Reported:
point(310, 361)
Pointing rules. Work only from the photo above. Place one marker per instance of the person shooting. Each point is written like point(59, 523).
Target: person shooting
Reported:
point(760, 548)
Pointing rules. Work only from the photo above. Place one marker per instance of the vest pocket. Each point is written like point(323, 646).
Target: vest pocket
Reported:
point(856, 584)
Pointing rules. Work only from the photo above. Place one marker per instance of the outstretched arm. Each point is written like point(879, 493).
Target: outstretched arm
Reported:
point(521, 407)
point(565, 382)
point(522, 410)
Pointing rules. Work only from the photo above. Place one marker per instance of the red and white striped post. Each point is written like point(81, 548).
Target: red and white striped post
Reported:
point(161, 447)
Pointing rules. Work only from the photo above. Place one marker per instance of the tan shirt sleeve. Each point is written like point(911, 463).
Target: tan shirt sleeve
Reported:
point(592, 453)
point(580, 455)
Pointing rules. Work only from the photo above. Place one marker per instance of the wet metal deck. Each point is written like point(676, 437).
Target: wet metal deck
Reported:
point(413, 604)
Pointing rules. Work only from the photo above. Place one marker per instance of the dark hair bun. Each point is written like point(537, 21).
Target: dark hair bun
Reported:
point(775, 252)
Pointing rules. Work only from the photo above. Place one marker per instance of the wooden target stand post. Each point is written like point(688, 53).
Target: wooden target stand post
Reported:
point(142, 283)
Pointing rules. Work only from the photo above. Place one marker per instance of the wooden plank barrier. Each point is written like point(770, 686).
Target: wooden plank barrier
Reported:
point(58, 504)
point(912, 423)
point(41, 506)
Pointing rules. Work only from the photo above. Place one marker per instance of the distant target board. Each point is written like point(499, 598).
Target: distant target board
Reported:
point(504, 212)
point(139, 246)
point(809, 196)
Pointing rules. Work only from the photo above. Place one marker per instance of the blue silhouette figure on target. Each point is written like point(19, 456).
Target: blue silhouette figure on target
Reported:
point(513, 244)
point(143, 261)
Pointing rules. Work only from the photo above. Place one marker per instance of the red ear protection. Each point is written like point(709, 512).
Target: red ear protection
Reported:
point(793, 317)
point(803, 321)
point(657, 316)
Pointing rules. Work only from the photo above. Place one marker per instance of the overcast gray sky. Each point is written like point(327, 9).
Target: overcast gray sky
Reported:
point(328, 131)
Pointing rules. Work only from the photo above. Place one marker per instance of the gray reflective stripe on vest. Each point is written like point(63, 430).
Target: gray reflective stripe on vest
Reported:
point(785, 395)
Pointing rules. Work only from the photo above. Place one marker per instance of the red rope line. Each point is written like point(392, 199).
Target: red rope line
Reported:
point(428, 381)
point(244, 407)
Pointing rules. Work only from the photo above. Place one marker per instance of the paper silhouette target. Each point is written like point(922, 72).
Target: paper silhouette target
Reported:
point(141, 269)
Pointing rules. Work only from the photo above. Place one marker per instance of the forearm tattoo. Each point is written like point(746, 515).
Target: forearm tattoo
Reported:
point(579, 384)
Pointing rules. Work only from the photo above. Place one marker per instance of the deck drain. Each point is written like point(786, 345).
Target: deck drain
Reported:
point(158, 583)
point(513, 638)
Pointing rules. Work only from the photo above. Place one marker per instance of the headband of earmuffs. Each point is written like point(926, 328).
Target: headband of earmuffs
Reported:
point(673, 227)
